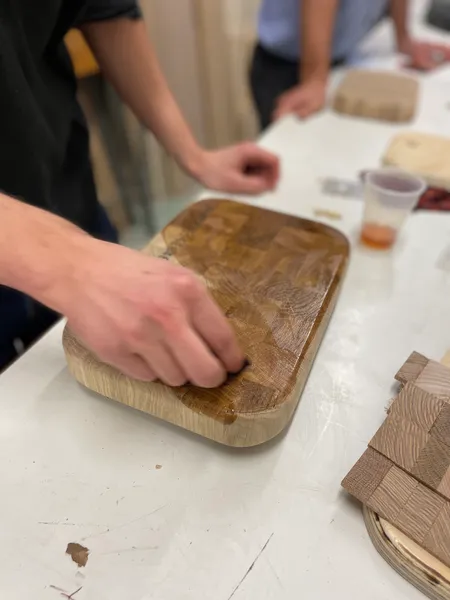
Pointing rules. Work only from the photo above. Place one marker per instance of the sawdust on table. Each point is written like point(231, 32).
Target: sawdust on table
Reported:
point(330, 214)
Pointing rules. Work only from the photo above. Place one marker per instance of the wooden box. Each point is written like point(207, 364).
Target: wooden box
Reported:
point(277, 278)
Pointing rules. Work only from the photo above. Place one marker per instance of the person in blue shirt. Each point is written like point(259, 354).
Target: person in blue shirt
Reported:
point(301, 40)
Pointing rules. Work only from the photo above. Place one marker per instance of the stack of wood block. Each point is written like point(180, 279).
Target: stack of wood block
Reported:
point(404, 476)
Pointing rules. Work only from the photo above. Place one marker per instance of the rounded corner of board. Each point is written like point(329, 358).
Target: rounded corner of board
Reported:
point(430, 579)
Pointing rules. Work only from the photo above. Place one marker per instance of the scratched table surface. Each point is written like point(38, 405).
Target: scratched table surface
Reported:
point(167, 515)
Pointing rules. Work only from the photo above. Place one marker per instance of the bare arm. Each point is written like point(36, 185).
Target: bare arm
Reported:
point(117, 300)
point(127, 58)
point(317, 26)
point(38, 251)
point(422, 56)
point(317, 19)
point(399, 14)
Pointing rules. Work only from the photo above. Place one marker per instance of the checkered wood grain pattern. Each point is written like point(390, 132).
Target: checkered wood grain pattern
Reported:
point(404, 475)
point(276, 277)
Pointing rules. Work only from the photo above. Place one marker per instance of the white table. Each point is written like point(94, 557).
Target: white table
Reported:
point(79, 468)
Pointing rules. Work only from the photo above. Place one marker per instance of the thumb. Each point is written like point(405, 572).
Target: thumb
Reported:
point(250, 184)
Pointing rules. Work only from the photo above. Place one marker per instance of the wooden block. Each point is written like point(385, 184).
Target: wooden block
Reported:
point(378, 95)
point(419, 513)
point(444, 486)
point(432, 464)
point(423, 154)
point(412, 368)
point(417, 406)
point(426, 565)
point(437, 540)
point(367, 475)
point(400, 441)
point(279, 317)
point(441, 427)
point(392, 494)
point(435, 378)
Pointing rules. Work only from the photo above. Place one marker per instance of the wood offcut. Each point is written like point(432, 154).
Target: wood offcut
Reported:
point(423, 154)
point(377, 95)
point(277, 278)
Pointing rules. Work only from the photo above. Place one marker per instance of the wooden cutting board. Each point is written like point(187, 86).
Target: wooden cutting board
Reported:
point(377, 95)
point(424, 154)
point(277, 278)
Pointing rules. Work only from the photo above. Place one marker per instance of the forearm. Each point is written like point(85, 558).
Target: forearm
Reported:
point(317, 26)
point(400, 14)
point(38, 252)
point(128, 60)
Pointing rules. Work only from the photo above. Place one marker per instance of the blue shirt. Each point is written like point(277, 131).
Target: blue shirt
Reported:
point(279, 30)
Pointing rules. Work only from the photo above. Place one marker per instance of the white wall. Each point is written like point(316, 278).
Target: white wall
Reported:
point(241, 15)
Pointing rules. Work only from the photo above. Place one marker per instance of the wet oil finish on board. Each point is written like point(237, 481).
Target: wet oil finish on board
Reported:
point(276, 277)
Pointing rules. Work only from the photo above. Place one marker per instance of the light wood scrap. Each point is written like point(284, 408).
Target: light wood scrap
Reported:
point(377, 95)
point(422, 154)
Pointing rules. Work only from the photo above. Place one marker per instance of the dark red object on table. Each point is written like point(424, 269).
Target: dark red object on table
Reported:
point(434, 199)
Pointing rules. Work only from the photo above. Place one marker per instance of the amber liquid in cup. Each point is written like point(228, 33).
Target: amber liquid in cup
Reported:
point(378, 237)
point(390, 196)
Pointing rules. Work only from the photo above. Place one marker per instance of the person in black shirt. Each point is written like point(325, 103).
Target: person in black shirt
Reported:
point(147, 317)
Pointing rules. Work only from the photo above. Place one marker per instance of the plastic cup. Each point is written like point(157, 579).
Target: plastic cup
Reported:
point(390, 196)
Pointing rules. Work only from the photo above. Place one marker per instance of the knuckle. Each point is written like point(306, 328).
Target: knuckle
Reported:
point(224, 341)
point(133, 331)
point(165, 318)
point(188, 285)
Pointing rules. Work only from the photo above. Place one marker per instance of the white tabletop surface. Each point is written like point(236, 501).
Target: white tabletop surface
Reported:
point(79, 468)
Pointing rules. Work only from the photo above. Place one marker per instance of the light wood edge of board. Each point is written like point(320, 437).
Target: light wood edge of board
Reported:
point(160, 401)
point(413, 563)
point(416, 565)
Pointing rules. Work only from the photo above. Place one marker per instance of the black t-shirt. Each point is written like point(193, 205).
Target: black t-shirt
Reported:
point(44, 152)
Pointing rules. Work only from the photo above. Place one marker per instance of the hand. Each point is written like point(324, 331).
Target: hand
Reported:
point(302, 100)
point(242, 169)
point(149, 318)
point(424, 56)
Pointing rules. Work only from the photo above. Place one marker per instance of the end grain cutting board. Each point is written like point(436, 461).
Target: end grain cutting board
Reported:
point(277, 278)
point(377, 95)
